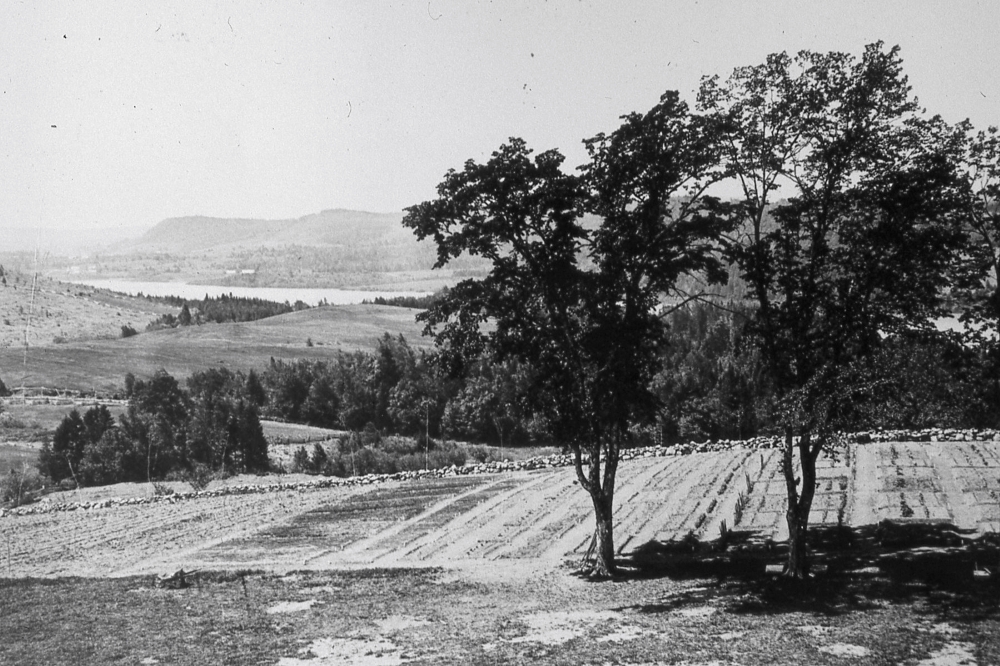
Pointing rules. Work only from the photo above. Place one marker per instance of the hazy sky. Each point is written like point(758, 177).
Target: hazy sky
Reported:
point(122, 114)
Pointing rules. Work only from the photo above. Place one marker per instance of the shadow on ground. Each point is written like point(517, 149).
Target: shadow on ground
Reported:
point(851, 569)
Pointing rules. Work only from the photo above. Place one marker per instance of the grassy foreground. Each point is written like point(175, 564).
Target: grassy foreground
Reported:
point(433, 616)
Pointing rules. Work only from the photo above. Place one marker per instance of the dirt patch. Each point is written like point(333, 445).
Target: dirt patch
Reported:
point(845, 650)
point(291, 606)
point(952, 654)
point(348, 652)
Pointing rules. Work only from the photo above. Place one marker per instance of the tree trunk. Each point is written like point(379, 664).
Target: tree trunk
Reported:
point(603, 543)
point(799, 502)
point(599, 561)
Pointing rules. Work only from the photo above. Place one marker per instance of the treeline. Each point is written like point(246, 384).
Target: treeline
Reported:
point(167, 432)
point(398, 390)
point(223, 309)
point(400, 403)
point(416, 302)
point(713, 383)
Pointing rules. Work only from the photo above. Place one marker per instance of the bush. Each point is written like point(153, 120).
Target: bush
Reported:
point(20, 486)
point(199, 476)
point(300, 461)
point(162, 489)
point(128, 331)
point(482, 454)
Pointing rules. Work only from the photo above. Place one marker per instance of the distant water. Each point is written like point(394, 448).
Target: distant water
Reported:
point(196, 292)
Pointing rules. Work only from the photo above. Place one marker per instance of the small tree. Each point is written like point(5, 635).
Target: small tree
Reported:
point(578, 304)
point(319, 459)
point(184, 318)
point(300, 460)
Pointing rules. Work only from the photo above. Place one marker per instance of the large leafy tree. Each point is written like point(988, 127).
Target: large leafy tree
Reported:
point(862, 244)
point(983, 172)
point(579, 301)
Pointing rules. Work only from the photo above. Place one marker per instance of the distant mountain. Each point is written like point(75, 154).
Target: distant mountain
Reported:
point(328, 228)
point(64, 241)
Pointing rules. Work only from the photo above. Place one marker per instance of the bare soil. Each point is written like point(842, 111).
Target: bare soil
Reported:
point(511, 521)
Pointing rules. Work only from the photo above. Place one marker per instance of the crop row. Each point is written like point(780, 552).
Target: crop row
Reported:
point(542, 462)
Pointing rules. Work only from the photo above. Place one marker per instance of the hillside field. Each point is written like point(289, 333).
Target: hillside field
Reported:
point(55, 313)
point(102, 364)
point(539, 517)
point(478, 569)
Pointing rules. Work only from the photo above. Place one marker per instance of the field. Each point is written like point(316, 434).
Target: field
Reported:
point(103, 363)
point(55, 313)
point(477, 569)
point(539, 517)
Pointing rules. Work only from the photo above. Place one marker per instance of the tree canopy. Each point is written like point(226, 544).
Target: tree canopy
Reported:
point(580, 304)
point(864, 243)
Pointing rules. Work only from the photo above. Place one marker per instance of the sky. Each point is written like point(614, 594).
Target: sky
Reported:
point(119, 115)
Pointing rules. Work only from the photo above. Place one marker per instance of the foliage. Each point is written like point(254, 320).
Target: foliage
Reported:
point(219, 310)
point(211, 428)
point(865, 245)
point(576, 303)
point(19, 486)
point(982, 164)
point(414, 302)
point(712, 383)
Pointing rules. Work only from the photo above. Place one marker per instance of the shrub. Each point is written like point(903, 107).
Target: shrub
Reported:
point(162, 489)
point(199, 476)
point(300, 461)
point(128, 331)
point(20, 486)
point(319, 459)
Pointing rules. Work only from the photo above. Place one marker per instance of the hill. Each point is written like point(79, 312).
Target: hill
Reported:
point(330, 227)
point(102, 364)
point(55, 313)
point(333, 248)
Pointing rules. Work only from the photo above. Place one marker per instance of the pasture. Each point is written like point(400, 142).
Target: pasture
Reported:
point(102, 364)
point(478, 569)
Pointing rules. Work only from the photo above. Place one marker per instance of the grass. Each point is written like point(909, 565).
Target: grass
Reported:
point(296, 433)
point(63, 312)
point(428, 616)
point(14, 457)
point(103, 363)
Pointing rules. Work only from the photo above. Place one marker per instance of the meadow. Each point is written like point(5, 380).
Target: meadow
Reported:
point(314, 334)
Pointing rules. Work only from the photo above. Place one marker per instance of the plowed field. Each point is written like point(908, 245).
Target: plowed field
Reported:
point(526, 518)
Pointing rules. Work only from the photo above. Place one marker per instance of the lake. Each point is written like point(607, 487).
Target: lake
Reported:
point(196, 292)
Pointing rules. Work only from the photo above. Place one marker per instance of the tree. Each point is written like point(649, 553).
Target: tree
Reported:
point(319, 459)
point(184, 318)
point(578, 304)
point(68, 444)
point(983, 164)
point(863, 246)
